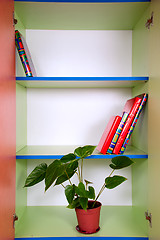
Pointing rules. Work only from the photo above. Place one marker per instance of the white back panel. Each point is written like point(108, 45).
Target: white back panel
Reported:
point(71, 116)
point(80, 53)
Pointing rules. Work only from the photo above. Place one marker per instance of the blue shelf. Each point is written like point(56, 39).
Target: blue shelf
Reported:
point(56, 152)
point(86, 82)
point(145, 78)
point(132, 156)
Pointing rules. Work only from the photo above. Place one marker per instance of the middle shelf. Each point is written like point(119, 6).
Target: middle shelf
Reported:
point(56, 152)
point(74, 82)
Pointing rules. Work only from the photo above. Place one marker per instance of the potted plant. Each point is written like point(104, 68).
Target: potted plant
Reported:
point(81, 197)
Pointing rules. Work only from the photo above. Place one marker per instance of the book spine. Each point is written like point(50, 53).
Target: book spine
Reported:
point(118, 132)
point(127, 125)
point(133, 124)
point(111, 134)
point(22, 54)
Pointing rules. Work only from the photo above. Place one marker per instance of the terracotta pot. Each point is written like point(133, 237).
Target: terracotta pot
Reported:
point(88, 221)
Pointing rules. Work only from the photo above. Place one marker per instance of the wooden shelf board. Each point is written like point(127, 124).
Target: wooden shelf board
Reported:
point(74, 82)
point(80, 14)
point(56, 152)
point(59, 221)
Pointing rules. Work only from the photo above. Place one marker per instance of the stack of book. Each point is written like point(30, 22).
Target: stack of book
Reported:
point(119, 129)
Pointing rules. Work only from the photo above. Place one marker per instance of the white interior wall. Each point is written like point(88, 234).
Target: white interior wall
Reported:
point(80, 52)
point(71, 116)
point(77, 116)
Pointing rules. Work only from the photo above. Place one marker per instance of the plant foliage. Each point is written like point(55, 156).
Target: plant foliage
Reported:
point(60, 171)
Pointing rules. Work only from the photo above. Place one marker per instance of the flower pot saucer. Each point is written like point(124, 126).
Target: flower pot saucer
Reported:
point(85, 232)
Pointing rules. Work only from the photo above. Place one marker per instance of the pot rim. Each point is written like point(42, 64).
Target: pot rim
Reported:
point(88, 209)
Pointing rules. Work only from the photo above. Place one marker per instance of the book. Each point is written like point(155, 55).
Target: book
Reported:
point(24, 55)
point(144, 100)
point(108, 134)
point(118, 132)
point(132, 106)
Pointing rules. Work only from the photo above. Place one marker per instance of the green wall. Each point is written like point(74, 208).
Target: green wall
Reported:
point(140, 67)
point(21, 133)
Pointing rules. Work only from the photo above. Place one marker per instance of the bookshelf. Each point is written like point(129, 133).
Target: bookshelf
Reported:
point(97, 16)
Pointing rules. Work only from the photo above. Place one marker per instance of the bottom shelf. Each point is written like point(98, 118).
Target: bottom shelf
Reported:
point(58, 221)
point(84, 238)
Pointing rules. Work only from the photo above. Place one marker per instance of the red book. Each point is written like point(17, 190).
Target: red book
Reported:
point(131, 106)
point(108, 134)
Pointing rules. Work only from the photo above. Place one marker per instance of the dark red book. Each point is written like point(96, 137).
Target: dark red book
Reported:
point(131, 106)
point(108, 134)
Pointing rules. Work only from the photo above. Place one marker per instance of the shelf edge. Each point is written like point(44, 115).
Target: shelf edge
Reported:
point(134, 156)
point(145, 78)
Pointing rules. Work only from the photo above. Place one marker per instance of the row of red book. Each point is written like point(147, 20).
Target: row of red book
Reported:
point(119, 128)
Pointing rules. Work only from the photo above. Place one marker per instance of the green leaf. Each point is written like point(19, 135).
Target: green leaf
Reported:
point(64, 177)
point(68, 158)
point(54, 170)
point(69, 192)
point(84, 203)
point(75, 203)
point(73, 165)
point(71, 169)
point(85, 151)
point(37, 175)
point(91, 193)
point(112, 182)
point(80, 190)
point(120, 162)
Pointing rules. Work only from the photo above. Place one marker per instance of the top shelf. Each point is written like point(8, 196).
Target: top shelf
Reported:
point(80, 14)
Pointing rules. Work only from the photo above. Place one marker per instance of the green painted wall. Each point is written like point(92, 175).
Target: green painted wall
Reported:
point(140, 193)
point(154, 122)
point(21, 117)
point(140, 67)
point(21, 141)
point(80, 16)
point(140, 47)
point(21, 193)
point(21, 133)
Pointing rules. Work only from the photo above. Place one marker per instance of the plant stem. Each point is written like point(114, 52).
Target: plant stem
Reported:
point(100, 192)
point(82, 171)
point(78, 177)
point(68, 177)
point(102, 189)
point(62, 185)
point(79, 174)
point(111, 172)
